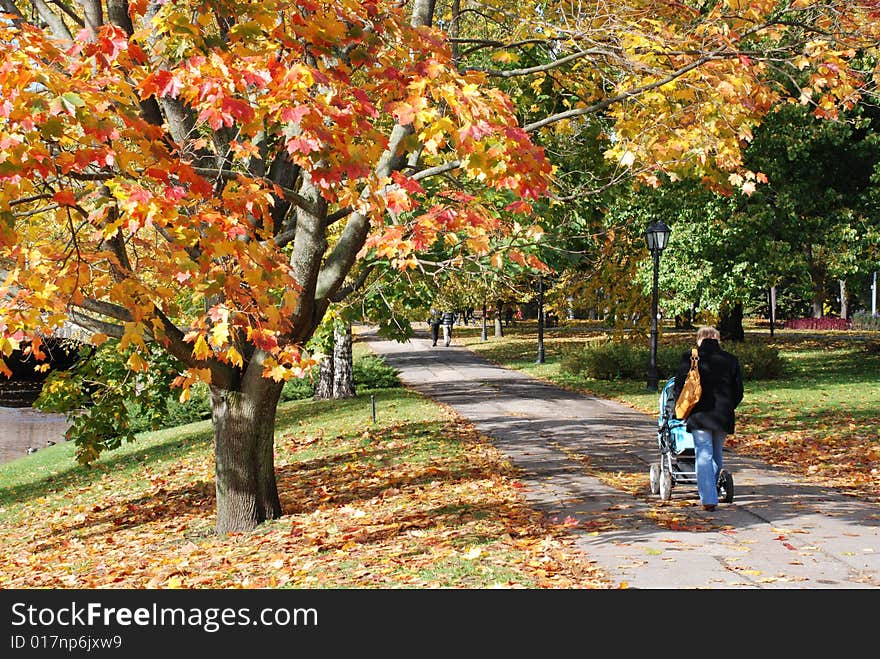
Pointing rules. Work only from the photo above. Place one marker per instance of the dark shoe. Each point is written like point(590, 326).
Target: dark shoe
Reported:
point(708, 507)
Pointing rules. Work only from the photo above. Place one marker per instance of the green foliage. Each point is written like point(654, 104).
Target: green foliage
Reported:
point(369, 371)
point(373, 372)
point(197, 408)
point(621, 360)
point(618, 360)
point(865, 321)
point(97, 396)
point(298, 389)
point(757, 361)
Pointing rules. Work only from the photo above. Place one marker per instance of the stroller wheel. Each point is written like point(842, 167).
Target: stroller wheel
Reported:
point(725, 486)
point(655, 478)
point(665, 485)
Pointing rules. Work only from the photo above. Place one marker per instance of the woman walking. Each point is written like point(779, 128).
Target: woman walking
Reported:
point(712, 418)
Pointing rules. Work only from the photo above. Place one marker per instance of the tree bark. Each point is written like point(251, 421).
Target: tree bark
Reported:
point(324, 385)
point(244, 442)
point(343, 363)
point(844, 307)
point(818, 278)
point(499, 328)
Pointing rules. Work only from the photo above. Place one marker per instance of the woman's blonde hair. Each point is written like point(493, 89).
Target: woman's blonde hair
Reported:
point(707, 332)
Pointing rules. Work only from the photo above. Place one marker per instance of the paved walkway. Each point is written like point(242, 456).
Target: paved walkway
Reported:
point(779, 532)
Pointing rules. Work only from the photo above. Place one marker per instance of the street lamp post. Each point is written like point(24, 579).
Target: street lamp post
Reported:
point(540, 359)
point(657, 237)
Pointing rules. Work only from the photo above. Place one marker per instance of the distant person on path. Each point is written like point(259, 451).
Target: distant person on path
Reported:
point(712, 418)
point(434, 323)
point(447, 320)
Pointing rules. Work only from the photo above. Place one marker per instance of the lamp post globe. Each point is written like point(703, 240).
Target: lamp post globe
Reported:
point(656, 237)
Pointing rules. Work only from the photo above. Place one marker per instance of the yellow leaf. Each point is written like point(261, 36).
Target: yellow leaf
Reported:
point(98, 339)
point(220, 334)
point(234, 357)
point(201, 349)
point(504, 57)
point(136, 363)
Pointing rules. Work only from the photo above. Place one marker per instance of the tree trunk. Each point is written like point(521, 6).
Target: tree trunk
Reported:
point(730, 322)
point(324, 385)
point(244, 442)
point(499, 329)
point(343, 369)
point(844, 307)
point(771, 305)
point(818, 279)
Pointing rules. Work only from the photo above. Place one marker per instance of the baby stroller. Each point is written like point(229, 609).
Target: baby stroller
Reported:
point(677, 459)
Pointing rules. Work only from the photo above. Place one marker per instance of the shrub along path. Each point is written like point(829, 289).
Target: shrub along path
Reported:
point(584, 461)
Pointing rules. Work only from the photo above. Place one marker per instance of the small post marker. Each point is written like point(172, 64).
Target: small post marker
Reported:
point(373, 405)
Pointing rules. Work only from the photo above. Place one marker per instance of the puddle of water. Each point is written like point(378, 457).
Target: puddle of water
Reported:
point(23, 427)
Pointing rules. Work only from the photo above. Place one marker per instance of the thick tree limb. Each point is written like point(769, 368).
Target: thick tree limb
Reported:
point(354, 235)
point(94, 14)
point(55, 23)
point(94, 325)
point(106, 309)
point(10, 8)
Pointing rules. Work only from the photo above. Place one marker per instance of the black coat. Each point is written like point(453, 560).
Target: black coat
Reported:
point(722, 383)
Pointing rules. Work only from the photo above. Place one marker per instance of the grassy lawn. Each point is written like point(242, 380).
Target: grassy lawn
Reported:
point(416, 500)
point(821, 420)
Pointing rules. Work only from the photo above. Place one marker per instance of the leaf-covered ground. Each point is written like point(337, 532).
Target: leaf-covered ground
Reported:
point(417, 500)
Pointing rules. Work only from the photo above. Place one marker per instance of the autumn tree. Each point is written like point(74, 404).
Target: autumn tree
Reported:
point(204, 176)
point(209, 177)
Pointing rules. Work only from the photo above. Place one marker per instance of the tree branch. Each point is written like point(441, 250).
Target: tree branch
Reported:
point(611, 100)
point(93, 324)
point(549, 66)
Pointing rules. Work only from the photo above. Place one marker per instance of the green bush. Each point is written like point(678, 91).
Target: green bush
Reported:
point(373, 372)
point(616, 360)
point(757, 361)
point(865, 321)
point(197, 408)
point(299, 389)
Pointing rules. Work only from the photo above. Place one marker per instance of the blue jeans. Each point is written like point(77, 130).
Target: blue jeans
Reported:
point(707, 449)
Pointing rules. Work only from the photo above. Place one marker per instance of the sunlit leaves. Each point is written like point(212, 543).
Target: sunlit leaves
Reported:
point(142, 217)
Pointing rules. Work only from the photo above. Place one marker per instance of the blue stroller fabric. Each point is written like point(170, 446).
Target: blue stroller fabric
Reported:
point(679, 438)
